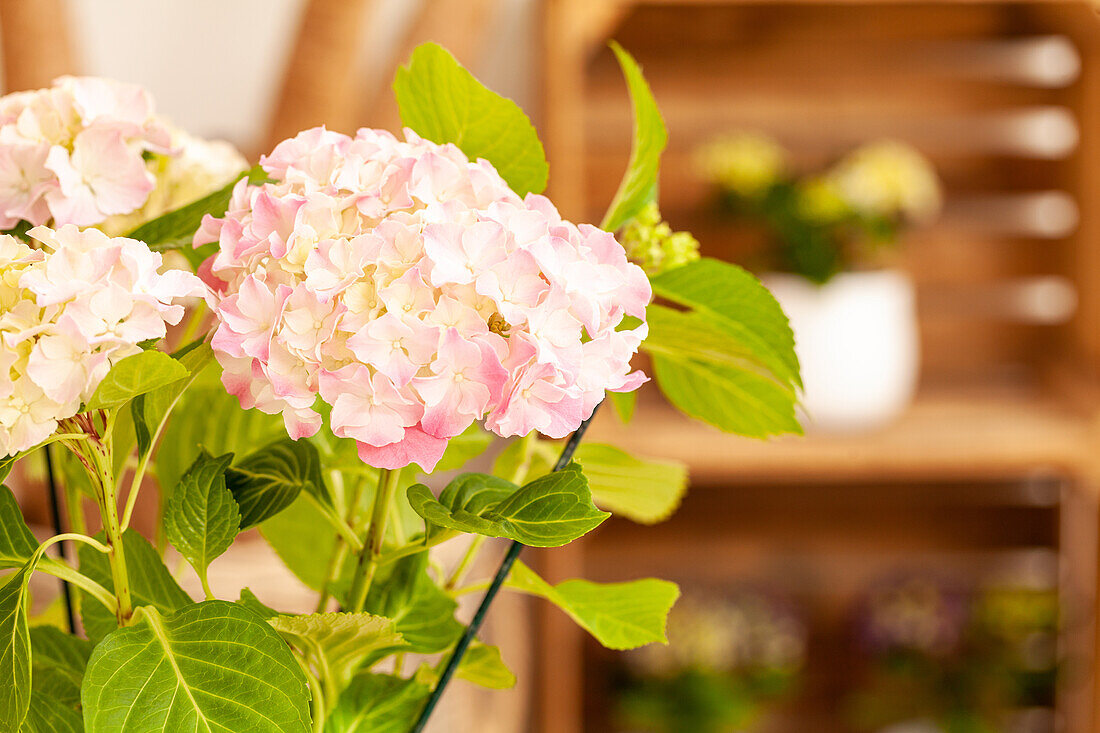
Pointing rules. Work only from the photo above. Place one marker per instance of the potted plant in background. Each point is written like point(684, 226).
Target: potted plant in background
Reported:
point(832, 234)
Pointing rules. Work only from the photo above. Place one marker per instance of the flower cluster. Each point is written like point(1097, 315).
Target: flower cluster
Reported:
point(69, 310)
point(74, 153)
point(195, 168)
point(650, 242)
point(415, 293)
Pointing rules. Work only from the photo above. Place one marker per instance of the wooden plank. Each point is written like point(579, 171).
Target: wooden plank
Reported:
point(35, 43)
point(319, 82)
point(950, 434)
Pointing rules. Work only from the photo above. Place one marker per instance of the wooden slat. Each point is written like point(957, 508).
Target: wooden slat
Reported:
point(36, 43)
point(319, 82)
point(949, 435)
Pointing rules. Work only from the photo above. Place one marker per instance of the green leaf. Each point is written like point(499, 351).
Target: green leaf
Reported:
point(176, 229)
point(211, 666)
point(730, 359)
point(151, 584)
point(644, 491)
point(303, 539)
point(624, 403)
point(639, 184)
point(17, 544)
point(443, 102)
point(421, 611)
point(269, 480)
point(484, 666)
point(733, 400)
point(551, 511)
point(150, 411)
point(54, 705)
point(208, 416)
point(15, 650)
point(337, 642)
point(377, 703)
point(202, 519)
point(249, 600)
point(57, 669)
point(618, 615)
point(739, 303)
point(136, 375)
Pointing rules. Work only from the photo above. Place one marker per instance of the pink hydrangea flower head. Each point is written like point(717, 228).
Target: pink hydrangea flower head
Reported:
point(69, 309)
point(73, 153)
point(415, 293)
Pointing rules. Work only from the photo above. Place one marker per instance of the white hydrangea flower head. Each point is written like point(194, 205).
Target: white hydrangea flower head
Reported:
point(69, 310)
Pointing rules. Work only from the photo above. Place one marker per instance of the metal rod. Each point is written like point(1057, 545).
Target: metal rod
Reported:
point(58, 528)
point(498, 580)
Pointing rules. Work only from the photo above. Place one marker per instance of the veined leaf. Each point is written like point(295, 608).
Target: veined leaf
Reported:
point(15, 650)
point(644, 491)
point(421, 611)
point(58, 661)
point(639, 184)
point(202, 519)
point(618, 615)
point(17, 544)
point(303, 539)
point(150, 583)
point(150, 411)
point(443, 102)
point(377, 703)
point(269, 480)
point(176, 229)
point(54, 705)
point(484, 666)
point(249, 600)
point(740, 304)
point(337, 642)
point(734, 400)
point(550, 511)
point(730, 359)
point(136, 375)
point(208, 416)
point(212, 666)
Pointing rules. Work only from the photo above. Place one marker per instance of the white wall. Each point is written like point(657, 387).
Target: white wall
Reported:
point(214, 66)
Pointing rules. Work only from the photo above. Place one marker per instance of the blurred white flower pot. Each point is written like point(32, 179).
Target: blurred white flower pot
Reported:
point(858, 344)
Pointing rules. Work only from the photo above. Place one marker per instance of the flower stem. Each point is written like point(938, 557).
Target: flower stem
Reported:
point(117, 556)
point(376, 534)
point(340, 548)
point(108, 509)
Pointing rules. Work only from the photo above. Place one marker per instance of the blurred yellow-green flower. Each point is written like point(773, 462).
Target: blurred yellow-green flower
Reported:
point(889, 179)
point(745, 163)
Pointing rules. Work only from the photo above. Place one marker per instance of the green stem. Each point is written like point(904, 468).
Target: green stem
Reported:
point(376, 534)
point(108, 508)
point(340, 548)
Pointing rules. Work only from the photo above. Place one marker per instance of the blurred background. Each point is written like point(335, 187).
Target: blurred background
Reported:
point(919, 183)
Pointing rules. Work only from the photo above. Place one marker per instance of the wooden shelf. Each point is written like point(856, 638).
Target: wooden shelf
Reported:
point(945, 435)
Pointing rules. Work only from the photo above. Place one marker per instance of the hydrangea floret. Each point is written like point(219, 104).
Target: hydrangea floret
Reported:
point(414, 293)
point(69, 310)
